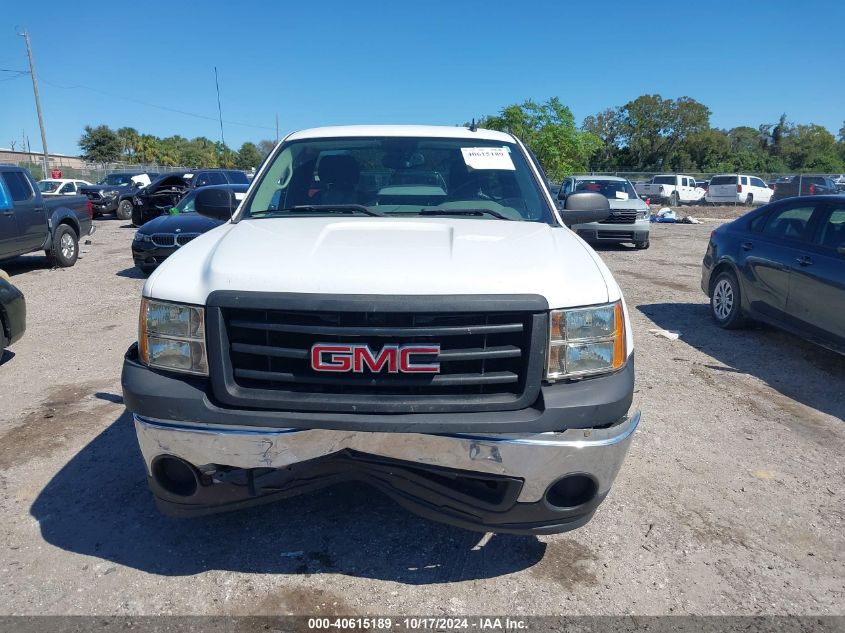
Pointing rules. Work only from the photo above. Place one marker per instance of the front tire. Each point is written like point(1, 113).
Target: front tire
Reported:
point(726, 302)
point(65, 249)
point(641, 246)
point(749, 200)
point(124, 210)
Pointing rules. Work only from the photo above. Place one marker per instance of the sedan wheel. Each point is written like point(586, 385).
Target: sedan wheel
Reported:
point(725, 305)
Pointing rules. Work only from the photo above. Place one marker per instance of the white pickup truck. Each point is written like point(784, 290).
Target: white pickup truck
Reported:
point(402, 306)
point(671, 188)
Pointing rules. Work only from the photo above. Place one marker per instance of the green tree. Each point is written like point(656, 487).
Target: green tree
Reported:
point(146, 149)
point(811, 148)
point(100, 144)
point(607, 127)
point(549, 130)
point(249, 156)
point(706, 149)
point(654, 128)
point(266, 146)
point(129, 141)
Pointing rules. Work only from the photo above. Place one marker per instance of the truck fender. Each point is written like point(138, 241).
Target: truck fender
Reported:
point(61, 215)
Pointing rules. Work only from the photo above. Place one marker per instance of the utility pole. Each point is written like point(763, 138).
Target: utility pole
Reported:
point(219, 109)
point(277, 129)
point(25, 36)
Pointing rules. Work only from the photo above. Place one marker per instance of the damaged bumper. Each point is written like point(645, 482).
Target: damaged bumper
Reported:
point(529, 483)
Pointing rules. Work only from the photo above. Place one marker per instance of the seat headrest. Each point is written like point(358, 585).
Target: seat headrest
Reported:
point(339, 170)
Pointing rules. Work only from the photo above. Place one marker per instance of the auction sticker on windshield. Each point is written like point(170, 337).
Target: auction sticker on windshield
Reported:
point(487, 158)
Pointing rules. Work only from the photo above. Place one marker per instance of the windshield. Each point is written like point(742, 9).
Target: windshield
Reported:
point(399, 176)
point(610, 189)
point(186, 204)
point(116, 180)
point(48, 186)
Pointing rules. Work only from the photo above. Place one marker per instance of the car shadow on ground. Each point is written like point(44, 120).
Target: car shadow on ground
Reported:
point(605, 246)
point(799, 370)
point(99, 505)
point(133, 272)
point(25, 264)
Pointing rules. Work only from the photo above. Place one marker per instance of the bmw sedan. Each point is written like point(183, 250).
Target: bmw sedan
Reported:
point(783, 264)
point(160, 237)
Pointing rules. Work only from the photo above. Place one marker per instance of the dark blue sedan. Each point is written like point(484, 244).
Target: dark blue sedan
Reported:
point(159, 238)
point(783, 264)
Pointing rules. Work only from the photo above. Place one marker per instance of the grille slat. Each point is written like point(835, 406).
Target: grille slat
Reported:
point(378, 331)
point(621, 217)
point(502, 377)
point(267, 350)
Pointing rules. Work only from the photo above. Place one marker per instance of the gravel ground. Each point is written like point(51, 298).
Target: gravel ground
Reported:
point(730, 501)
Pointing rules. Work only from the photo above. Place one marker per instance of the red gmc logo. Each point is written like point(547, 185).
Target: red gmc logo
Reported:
point(340, 357)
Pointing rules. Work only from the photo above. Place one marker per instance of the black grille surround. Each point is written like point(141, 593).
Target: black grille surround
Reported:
point(492, 351)
point(621, 216)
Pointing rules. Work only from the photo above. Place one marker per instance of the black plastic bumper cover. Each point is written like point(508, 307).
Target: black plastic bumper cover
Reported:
point(468, 500)
point(589, 403)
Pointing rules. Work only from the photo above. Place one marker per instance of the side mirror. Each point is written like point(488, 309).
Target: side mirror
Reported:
point(218, 204)
point(581, 208)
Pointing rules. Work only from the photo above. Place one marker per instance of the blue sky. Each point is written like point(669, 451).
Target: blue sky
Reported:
point(436, 62)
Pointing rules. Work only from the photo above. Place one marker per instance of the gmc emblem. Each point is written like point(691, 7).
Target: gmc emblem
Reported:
point(340, 357)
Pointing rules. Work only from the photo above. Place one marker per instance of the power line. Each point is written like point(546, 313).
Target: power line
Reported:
point(153, 105)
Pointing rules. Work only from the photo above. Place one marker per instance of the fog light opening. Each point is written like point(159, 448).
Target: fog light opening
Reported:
point(571, 491)
point(175, 475)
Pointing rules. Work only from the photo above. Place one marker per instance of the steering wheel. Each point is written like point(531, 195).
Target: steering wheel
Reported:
point(478, 195)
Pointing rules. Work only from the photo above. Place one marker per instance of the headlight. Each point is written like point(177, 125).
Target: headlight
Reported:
point(643, 213)
point(140, 237)
point(172, 336)
point(112, 193)
point(586, 341)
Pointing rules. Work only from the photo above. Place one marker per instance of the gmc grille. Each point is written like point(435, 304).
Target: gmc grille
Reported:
point(488, 359)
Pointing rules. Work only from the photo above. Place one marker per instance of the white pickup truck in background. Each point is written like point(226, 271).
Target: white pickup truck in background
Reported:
point(671, 188)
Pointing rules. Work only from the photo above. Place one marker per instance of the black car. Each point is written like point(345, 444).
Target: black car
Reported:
point(113, 194)
point(161, 237)
point(165, 192)
point(783, 264)
point(804, 186)
point(12, 314)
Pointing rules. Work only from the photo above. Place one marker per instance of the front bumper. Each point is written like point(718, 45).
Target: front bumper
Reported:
point(147, 255)
point(599, 232)
point(506, 483)
point(105, 205)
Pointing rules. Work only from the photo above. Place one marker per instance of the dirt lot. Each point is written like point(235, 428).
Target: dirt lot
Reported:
point(730, 502)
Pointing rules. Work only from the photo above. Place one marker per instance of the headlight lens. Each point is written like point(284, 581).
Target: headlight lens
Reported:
point(172, 336)
point(112, 193)
point(643, 213)
point(586, 341)
point(140, 237)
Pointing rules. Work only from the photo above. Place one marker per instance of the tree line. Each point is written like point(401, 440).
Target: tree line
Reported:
point(651, 134)
point(647, 134)
point(101, 144)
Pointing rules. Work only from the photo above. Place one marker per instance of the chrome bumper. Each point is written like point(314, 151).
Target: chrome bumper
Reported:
point(539, 459)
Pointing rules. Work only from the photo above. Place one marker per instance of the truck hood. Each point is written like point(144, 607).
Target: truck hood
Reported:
point(386, 256)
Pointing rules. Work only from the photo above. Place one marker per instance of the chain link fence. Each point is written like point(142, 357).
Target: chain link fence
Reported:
point(78, 169)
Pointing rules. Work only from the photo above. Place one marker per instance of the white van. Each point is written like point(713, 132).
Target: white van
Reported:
point(737, 189)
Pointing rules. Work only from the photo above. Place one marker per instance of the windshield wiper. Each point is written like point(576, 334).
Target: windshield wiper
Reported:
point(468, 212)
point(325, 208)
